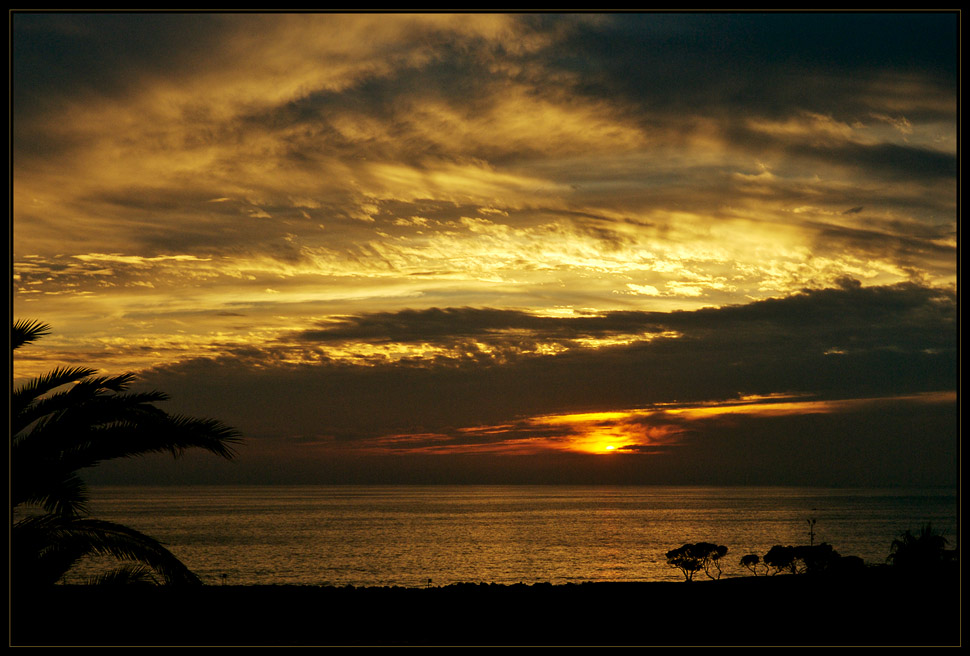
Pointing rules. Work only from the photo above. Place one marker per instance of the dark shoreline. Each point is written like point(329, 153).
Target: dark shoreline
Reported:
point(872, 608)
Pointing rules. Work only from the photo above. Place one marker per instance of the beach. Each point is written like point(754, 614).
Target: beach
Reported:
point(875, 607)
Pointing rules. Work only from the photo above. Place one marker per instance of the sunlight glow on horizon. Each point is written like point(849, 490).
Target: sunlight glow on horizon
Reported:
point(614, 432)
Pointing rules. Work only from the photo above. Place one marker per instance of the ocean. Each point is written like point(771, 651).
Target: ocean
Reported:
point(416, 536)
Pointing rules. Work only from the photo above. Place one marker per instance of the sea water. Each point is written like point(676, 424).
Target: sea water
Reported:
point(416, 536)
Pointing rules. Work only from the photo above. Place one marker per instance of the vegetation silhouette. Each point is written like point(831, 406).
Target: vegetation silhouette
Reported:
point(691, 558)
point(54, 433)
point(803, 559)
point(752, 562)
point(782, 559)
point(923, 553)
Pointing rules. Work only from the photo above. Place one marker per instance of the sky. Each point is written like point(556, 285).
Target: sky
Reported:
point(581, 248)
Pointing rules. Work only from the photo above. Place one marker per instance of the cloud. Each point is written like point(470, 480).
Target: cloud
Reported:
point(836, 343)
point(461, 118)
point(419, 224)
point(454, 323)
point(738, 62)
point(886, 315)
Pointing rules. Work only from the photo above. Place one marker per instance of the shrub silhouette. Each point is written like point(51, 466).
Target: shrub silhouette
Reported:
point(54, 433)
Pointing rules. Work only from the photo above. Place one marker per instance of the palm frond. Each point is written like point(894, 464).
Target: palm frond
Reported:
point(29, 393)
point(84, 385)
point(25, 331)
point(77, 443)
point(48, 458)
point(45, 547)
point(125, 575)
point(207, 434)
point(103, 384)
point(52, 380)
point(164, 434)
point(53, 486)
point(71, 414)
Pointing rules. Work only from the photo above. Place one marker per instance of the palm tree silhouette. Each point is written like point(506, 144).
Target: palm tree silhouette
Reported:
point(56, 432)
point(923, 552)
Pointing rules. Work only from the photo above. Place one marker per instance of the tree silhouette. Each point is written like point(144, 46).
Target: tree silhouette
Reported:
point(712, 554)
point(67, 420)
point(782, 559)
point(751, 562)
point(685, 560)
point(803, 559)
point(816, 558)
point(692, 558)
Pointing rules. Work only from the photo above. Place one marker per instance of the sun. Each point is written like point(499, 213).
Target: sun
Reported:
point(610, 447)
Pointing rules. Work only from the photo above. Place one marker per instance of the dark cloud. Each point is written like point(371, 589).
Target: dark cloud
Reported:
point(889, 161)
point(914, 245)
point(836, 343)
point(887, 317)
point(55, 56)
point(764, 64)
point(889, 443)
point(442, 324)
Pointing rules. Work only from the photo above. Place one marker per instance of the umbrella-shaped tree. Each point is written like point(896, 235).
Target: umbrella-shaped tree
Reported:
point(691, 558)
point(70, 419)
